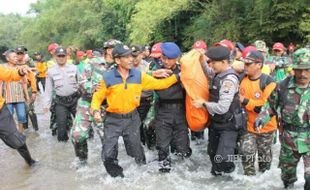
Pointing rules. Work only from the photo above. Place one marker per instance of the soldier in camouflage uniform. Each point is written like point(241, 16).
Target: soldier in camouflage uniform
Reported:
point(291, 103)
point(88, 81)
point(281, 61)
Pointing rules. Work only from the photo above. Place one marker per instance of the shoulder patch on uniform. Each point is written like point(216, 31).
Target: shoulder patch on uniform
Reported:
point(227, 86)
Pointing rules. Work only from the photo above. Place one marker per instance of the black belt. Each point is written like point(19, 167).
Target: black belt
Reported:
point(179, 106)
point(122, 116)
point(295, 128)
point(68, 98)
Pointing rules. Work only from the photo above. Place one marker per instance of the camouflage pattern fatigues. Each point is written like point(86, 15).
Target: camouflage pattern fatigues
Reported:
point(88, 81)
point(283, 64)
point(251, 143)
point(292, 105)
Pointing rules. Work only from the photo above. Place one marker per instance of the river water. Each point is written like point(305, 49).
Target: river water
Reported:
point(57, 168)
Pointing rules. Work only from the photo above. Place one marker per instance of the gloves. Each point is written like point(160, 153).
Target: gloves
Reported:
point(258, 124)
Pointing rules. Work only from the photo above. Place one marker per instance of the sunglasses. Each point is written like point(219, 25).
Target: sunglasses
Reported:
point(62, 56)
point(20, 53)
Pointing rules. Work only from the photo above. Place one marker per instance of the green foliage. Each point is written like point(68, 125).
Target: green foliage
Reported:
point(149, 14)
point(11, 25)
point(88, 23)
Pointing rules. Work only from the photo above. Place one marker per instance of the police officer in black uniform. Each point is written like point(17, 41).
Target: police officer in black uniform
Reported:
point(225, 110)
point(170, 122)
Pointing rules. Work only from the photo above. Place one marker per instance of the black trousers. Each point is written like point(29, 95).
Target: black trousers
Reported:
point(42, 81)
point(171, 130)
point(221, 146)
point(8, 131)
point(63, 109)
point(128, 128)
point(143, 109)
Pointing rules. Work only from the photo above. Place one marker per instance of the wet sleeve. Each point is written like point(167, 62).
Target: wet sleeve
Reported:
point(32, 79)
point(151, 83)
point(98, 97)
point(251, 104)
point(270, 108)
point(209, 72)
point(84, 79)
point(227, 92)
point(8, 75)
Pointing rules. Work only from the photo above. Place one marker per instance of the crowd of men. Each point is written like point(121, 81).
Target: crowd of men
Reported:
point(135, 92)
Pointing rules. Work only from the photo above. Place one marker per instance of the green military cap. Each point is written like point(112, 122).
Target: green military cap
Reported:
point(301, 59)
point(261, 45)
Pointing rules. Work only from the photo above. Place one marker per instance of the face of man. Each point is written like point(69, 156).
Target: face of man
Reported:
point(251, 69)
point(125, 62)
point(302, 76)
point(12, 58)
point(168, 63)
point(146, 53)
point(238, 54)
point(20, 56)
point(278, 52)
point(61, 59)
point(38, 57)
point(218, 66)
point(137, 59)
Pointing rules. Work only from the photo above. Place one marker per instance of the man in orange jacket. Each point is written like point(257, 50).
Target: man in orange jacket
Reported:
point(8, 131)
point(255, 88)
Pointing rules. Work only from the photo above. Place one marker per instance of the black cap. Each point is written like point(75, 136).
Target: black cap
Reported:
point(121, 51)
point(21, 49)
point(218, 53)
point(254, 57)
point(60, 51)
point(136, 50)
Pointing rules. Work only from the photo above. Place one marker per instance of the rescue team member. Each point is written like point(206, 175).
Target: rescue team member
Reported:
point(15, 92)
point(170, 122)
point(41, 67)
point(62, 78)
point(8, 131)
point(225, 110)
point(122, 87)
point(255, 88)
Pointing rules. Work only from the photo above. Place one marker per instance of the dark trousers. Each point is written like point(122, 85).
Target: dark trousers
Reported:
point(171, 130)
point(221, 147)
point(128, 127)
point(8, 131)
point(42, 81)
point(143, 109)
point(63, 110)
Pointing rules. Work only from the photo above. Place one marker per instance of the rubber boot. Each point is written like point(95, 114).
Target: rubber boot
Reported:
point(24, 152)
point(34, 120)
point(81, 151)
point(113, 169)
